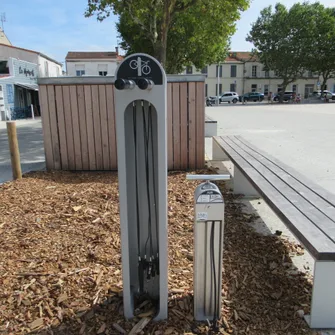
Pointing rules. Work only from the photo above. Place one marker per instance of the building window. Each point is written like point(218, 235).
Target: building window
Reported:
point(220, 71)
point(294, 88)
point(80, 73)
point(206, 90)
point(102, 69)
point(253, 87)
point(310, 74)
point(233, 87)
point(266, 89)
point(309, 88)
point(279, 88)
point(204, 70)
point(267, 74)
point(80, 70)
point(233, 71)
point(254, 71)
point(189, 70)
point(220, 89)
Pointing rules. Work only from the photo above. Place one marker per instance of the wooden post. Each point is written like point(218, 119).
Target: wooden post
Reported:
point(32, 111)
point(14, 149)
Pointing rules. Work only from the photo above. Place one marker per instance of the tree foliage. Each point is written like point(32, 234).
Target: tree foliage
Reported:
point(293, 41)
point(321, 56)
point(176, 32)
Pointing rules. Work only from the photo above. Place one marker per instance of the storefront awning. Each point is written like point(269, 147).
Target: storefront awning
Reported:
point(27, 86)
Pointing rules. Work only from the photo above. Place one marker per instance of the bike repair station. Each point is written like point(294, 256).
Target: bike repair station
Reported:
point(141, 122)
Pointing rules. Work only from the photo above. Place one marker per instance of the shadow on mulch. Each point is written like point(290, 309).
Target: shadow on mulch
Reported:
point(260, 296)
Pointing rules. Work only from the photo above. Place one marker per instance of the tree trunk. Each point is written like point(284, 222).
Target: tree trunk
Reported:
point(162, 46)
point(324, 82)
point(282, 92)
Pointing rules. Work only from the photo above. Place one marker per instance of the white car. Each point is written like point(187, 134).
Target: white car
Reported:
point(229, 97)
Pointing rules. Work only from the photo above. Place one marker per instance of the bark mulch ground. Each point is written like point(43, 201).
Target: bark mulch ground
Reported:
point(60, 264)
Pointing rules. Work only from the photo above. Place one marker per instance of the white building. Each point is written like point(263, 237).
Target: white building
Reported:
point(92, 63)
point(19, 70)
point(47, 67)
point(242, 73)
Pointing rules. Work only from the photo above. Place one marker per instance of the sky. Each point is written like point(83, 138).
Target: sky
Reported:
point(56, 27)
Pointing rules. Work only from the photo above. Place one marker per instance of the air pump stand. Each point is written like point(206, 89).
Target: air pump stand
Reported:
point(140, 108)
point(208, 248)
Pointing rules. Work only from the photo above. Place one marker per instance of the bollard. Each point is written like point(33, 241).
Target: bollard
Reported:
point(208, 248)
point(140, 112)
point(14, 149)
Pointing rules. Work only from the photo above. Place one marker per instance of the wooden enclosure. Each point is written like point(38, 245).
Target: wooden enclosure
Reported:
point(78, 118)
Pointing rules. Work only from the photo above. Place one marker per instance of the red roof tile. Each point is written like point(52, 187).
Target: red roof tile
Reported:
point(92, 54)
point(241, 56)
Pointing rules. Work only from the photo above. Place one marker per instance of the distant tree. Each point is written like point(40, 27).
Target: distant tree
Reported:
point(321, 54)
point(281, 39)
point(176, 32)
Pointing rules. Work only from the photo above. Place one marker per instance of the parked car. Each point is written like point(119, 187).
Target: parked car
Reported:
point(287, 96)
point(229, 97)
point(252, 96)
point(317, 94)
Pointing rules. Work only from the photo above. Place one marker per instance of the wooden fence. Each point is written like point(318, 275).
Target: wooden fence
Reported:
point(78, 118)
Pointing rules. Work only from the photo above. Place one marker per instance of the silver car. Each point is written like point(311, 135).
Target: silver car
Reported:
point(229, 97)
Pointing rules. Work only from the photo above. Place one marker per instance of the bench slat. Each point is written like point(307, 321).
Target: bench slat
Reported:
point(321, 205)
point(321, 246)
point(321, 221)
point(326, 196)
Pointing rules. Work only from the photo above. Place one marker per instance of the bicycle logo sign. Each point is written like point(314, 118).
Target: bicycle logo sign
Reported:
point(140, 66)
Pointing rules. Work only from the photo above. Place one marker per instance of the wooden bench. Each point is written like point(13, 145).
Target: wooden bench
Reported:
point(307, 210)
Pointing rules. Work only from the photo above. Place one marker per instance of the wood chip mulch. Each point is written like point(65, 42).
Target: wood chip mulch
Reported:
point(60, 264)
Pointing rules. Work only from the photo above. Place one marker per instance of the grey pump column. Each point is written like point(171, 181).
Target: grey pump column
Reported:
point(140, 107)
point(208, 248)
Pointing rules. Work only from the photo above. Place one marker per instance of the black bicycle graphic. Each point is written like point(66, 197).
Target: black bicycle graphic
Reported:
point(142, 67)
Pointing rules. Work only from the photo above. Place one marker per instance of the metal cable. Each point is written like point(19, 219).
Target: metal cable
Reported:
point(140, 265)
point(146, 154)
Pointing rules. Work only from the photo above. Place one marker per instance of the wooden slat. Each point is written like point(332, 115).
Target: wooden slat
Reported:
point(43, 96)
point(111, 126)
point(328, 197)
point(308, 209)
point(68, 127)
point(97, 127)
point(83, 128)
point(200, 131)
point(183, 126)
point(290, 179)
point(191, 126)
point(89, 127)
point(104, 127)
point(61, 128)
point(76, 128)
point(321, 247)
point(169, 128)
point(176, 126)
point(54, 127)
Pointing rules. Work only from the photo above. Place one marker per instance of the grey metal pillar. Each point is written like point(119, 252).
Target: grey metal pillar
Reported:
point(140, 107)
point(208, 248)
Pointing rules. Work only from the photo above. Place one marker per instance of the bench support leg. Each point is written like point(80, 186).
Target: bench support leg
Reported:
point(323, 297)
point(242, 184)
point(217, 153)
